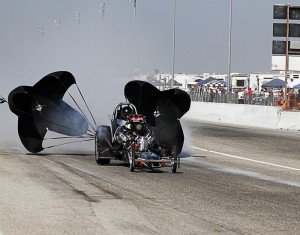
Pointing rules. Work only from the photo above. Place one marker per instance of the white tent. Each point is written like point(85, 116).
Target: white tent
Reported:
point(293, 83)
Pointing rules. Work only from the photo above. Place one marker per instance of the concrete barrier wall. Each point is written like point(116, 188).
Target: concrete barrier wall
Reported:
point(247, 115)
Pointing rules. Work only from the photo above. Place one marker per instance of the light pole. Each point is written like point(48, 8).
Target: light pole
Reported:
point(41, 30)
point(57, 23)
point(134, 29)
point(173, 58)
point(102, 8)
point(77, 16)
point(229, 51)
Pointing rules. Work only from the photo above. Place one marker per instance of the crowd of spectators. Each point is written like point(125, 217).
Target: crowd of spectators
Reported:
point(244, 96)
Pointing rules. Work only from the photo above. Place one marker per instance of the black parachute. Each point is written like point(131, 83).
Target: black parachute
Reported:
point(163, 109)
point(40, 108)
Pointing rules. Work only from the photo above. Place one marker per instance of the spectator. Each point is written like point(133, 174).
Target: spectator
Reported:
point(298, 96)
point(211, 95)
point(241, 97)
point(249, 95)
point(262, 93)
point(255, 93)
point(249, 91)
point(281, 94)
point(292, 97)
point(270, 97)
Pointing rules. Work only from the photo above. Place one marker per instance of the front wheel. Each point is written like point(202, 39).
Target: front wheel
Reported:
point(131, 158)
point(174, 159)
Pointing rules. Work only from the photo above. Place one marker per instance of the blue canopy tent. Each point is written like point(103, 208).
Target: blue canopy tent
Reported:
point(208, 80)
point(199, 81)
point(275, 83)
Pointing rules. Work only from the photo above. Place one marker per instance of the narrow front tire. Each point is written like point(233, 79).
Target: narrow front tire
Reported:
point(174, 159)
point(131, 156)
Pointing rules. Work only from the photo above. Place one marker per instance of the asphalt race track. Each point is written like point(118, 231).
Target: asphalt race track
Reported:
point(237, 181)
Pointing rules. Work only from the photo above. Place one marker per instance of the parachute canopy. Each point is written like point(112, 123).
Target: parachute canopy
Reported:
point(40, 108)
point(162, 110)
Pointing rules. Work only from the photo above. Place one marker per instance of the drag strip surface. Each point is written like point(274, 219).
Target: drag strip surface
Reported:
point(216, 191)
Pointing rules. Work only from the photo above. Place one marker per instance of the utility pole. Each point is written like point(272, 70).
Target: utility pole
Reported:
point(134, 32)
point(174, 34)
point(229, 51)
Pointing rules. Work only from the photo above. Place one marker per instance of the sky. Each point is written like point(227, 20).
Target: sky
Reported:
point(105, 45)
point(101, 52)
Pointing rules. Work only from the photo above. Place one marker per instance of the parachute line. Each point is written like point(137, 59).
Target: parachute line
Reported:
point(52, 146)
point(63, 114)
point(81, 110)
point(86, 105)
point(63, 126)
point(2, 100)
point(69, 137)
point(92, 132)
point(78, 105)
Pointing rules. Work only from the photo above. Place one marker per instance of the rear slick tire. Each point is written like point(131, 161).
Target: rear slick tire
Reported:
point(103, 134)
point(99, 160)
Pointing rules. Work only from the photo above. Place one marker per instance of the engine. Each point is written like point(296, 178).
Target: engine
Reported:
point(135, 130)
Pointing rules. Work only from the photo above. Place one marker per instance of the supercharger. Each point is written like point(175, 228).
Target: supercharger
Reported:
point(136, 130)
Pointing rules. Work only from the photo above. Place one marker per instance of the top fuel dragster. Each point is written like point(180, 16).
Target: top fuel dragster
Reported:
point(131, 139)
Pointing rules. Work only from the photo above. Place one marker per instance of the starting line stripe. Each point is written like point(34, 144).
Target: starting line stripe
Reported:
point(248, 159)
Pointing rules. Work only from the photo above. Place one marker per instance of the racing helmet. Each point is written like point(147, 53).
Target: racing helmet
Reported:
point(127, 110)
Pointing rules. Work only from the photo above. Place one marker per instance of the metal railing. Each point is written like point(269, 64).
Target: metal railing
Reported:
point(264, 98)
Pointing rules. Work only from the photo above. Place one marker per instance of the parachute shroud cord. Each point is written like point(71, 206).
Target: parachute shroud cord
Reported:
point(2, 100)
point(53, 107)
point(70, 137)
point(66, 127)
point(86, 105)
point(85, 138)
point(78, 104)
point(81, 111)
point(69, 143)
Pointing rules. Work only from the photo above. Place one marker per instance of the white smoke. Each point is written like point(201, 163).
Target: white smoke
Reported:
point(187, 145)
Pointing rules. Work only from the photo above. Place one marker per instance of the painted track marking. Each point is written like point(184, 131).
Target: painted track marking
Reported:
point(247, 159)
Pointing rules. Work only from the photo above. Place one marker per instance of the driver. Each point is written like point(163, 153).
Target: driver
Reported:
point(123, 114)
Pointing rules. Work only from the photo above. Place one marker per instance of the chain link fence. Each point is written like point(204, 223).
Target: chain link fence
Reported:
point(220, 96)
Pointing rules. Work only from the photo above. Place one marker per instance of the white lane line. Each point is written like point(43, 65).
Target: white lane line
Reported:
point(248, 159)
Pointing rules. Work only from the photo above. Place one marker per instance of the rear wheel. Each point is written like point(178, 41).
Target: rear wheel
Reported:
point(98, 152)
point(103, 135)
point(174, 159)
